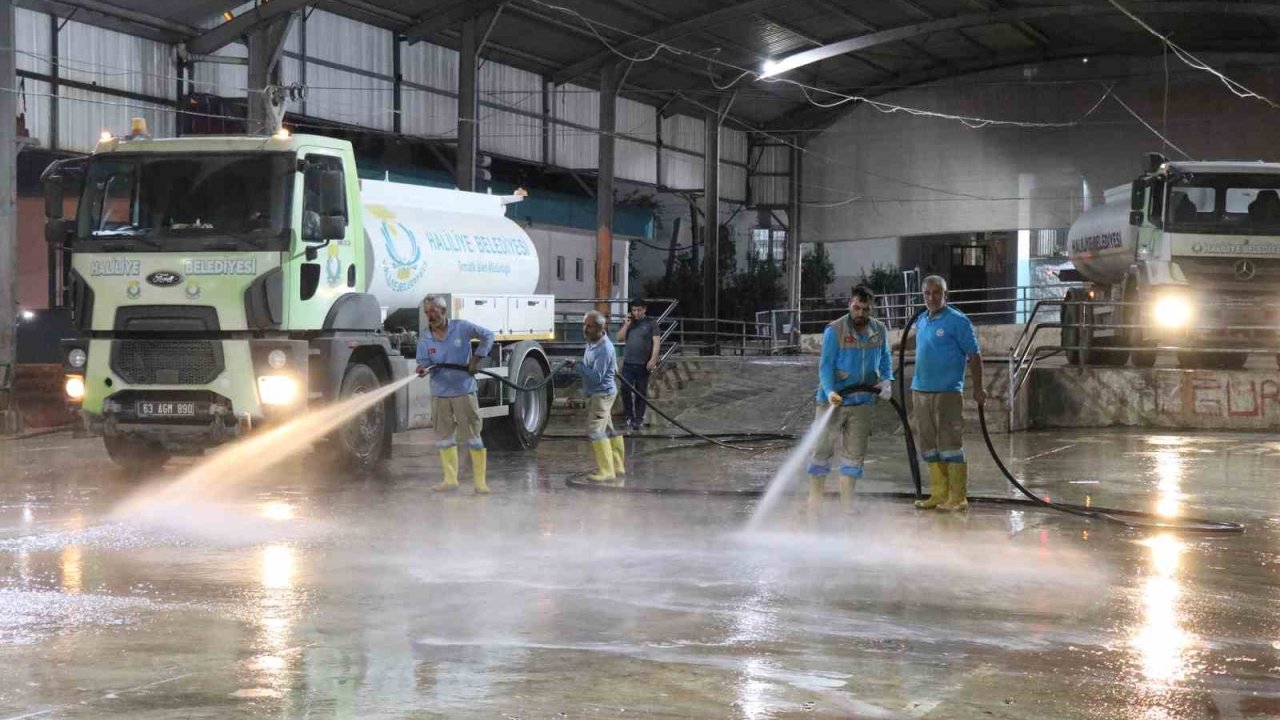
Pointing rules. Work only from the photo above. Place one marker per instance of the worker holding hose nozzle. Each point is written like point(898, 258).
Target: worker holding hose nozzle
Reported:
point(598, 367)
point(945, 343)
point(455, 411)
point(855, 351)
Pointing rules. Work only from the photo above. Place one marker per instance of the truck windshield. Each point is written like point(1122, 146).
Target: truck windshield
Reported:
point(188, 202)
point(1235, 204)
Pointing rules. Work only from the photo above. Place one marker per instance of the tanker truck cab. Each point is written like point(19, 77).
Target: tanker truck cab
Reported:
point(224, 283)
point(1195, 265)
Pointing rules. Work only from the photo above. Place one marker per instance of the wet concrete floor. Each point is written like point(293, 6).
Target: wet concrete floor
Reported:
point(308, 594)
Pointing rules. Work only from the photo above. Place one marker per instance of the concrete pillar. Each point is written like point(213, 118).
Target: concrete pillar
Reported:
point(711, 215)
point(609, 76)
point(468, 105)
point(795, 211)
point(8, 211)
point(266, 47)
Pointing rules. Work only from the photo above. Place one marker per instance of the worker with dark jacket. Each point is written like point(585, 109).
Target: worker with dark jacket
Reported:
point(945, 344)
point(855, 351)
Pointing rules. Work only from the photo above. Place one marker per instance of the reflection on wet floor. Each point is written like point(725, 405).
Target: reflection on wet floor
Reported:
point(324, 596)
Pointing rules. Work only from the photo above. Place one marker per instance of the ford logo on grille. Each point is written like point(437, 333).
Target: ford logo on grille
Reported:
point(1245, 270)
point(164, 278)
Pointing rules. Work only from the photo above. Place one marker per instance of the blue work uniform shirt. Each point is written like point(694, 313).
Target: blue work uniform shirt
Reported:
point(850, 357)
point(943, 346)
point(454, 349)
point(598, 366)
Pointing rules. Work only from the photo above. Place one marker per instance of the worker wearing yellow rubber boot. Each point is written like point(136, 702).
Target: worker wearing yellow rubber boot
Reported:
point(945, 344)
point(855, 351)
point(455, 412)
point(598, 366)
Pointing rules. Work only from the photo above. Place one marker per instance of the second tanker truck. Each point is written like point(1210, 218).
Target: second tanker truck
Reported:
point(222, 283)
point(1186, 257)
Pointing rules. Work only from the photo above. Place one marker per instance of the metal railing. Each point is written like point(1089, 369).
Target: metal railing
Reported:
point(1012, 304)
point(1082, 345)
point(568, 323)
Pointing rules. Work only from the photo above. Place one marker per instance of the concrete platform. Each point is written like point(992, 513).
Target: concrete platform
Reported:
point(307, 594)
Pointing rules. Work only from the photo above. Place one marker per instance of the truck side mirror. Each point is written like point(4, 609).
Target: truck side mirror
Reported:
point(332, 227)
point(1135, 218)
point(53, 198)
point(55, 231)
point(332, 193)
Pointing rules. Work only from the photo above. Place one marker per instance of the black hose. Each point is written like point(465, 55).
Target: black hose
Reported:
point(708, 438)
point(505, 381)
point(1126, 518)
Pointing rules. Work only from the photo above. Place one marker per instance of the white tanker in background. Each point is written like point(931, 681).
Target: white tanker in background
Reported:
point(1186, 256)
point(223, 283)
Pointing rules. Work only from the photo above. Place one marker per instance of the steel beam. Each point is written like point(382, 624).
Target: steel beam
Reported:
point(711, 210)
point(97, 12)
point(610, 81)
point(663, 35)
point(266, 47)
point(448, 16)
point(242, 25)
point(468, 105)
point(795, 213)
point(8, 211)
point(1013, 16)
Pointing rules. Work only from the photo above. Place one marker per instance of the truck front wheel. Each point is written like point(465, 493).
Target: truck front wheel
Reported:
point(135, 456)
point(360, 443)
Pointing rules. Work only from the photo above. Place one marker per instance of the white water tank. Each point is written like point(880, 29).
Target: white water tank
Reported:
point(424, 240)
point(1101, 242)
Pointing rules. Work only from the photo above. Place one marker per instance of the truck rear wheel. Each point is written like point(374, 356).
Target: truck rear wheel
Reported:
point(521, 429)
point(361, 442)
point(135, 456)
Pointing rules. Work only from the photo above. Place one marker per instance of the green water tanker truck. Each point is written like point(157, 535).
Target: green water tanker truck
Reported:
point(220, 284)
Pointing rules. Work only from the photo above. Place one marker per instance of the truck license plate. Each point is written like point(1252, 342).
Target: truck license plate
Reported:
point(150, 408)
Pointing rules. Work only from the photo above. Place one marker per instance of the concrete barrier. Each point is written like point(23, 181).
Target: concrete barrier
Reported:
point(1062, 397)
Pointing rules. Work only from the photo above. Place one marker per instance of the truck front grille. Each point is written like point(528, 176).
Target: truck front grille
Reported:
point(1242, 273)
point(167, 362)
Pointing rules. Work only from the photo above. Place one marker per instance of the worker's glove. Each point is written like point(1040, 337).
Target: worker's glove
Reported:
point(422, 371)
point(835, 398)
point(886, 389)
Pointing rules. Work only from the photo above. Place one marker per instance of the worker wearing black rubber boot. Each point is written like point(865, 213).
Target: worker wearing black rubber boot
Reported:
point(945, 343)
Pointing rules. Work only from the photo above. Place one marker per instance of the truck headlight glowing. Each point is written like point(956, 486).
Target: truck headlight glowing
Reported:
point(277, 389)
point(1172, 311)
point(277, 359)
point(75, 388)
point(77, 358)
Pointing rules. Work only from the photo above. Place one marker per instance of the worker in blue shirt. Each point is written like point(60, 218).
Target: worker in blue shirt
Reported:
point(855, 351)
point(945, 344)
point(597, 369)
point(455, 412)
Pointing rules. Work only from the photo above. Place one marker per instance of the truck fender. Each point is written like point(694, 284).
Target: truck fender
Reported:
point(522, 349)
point(354, 311)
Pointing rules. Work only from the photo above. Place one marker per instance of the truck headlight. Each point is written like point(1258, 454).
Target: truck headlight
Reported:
point(74, 388)
point(277, 389)
point(1172, 311)
point(77, 358)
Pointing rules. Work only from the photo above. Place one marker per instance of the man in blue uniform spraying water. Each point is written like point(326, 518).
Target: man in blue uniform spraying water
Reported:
point(455, 411)
point(598, 367)
point(945, 344)
point(855, 351)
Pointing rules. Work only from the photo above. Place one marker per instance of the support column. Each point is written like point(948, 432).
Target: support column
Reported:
point(468, 105)
point(609, 77)
point(711, 213)
point(397, 90)
point(795, 212)
point(266, 47)
point(8, 216)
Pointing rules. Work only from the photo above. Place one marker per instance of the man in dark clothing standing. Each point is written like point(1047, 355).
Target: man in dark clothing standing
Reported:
point(640, 356)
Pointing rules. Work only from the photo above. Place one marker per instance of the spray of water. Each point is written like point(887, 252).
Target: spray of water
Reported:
point(255, 454)
point(789, 470)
